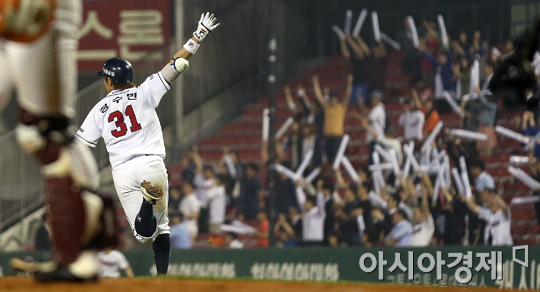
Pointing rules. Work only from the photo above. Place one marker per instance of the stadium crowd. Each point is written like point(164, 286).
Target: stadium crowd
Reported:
point(375, 205)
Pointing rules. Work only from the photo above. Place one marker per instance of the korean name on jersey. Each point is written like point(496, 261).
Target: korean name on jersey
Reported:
point(128, 122)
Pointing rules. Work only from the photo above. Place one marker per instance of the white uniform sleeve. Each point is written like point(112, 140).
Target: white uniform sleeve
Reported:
point(90, 130)
point(122, 261)
point(154, 87)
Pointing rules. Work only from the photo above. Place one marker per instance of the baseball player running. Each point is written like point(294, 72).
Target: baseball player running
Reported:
point(127, 121)
point(38, 48)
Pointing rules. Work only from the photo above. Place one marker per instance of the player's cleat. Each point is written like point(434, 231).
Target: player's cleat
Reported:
point(151, 194)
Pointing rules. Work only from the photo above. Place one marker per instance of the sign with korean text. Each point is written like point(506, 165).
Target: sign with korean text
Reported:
point(125, 29)
point(505, 267)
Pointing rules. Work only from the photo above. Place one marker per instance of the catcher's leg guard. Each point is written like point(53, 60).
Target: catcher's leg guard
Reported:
point(67, 211)
point(85, 267)
point(77, 216)
point(44, 137)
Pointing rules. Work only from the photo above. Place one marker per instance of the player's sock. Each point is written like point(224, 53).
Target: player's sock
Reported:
point(162, 251)
point(145, 222)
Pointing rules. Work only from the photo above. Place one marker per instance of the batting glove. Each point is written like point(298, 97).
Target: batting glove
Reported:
point(207, 24)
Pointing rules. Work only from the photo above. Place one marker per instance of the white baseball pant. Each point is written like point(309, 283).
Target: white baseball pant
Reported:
point(128, 177)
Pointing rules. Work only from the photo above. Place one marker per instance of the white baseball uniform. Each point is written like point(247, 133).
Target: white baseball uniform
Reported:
point(129, 125)
point(111, 263)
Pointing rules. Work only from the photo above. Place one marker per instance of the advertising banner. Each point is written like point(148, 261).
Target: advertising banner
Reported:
point(125, 29)
point(503, 267)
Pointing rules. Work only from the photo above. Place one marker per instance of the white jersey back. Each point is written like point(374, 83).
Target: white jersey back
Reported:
point(128, 122)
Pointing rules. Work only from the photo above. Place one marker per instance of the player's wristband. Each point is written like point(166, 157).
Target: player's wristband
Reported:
point(191, 46)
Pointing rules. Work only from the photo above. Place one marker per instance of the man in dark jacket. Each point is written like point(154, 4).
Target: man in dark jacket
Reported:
point(410, 58)
point(285, 194)
point(329, 220)
point(43, 239)
point(248, 202)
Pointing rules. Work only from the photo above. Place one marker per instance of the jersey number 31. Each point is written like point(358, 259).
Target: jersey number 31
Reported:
point(121, 128)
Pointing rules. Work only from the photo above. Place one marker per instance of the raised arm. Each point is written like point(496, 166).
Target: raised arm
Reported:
point(471, 204)
point(279, 151)
point(197, 160)
point(317, 89)
point(524, 121)
point(463, 105)
point(532, 164)
point(382, 53)
point(287, 227)
point(222, 164)
point(425, 204)
point(179, 62)
point(427, 183)
point(457, 72)
point(348, 91)
point(416, 98)
point(264, 151)
point(447, 195)
point(355, 47)
point(362, 106)
point(499, 201)
point(340, 181)
point(290, 100)
point(528, 120)
point(410, 185)
point(344, 50)
point(303, 95)
point(363, 46)
point(429, 28)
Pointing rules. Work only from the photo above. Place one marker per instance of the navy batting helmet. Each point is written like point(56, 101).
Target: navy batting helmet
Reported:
point(118, 70)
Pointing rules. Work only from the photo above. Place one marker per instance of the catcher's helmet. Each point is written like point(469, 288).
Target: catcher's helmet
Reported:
point(118, 70)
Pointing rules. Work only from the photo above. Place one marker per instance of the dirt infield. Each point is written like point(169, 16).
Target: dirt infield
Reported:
point(22, 284)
